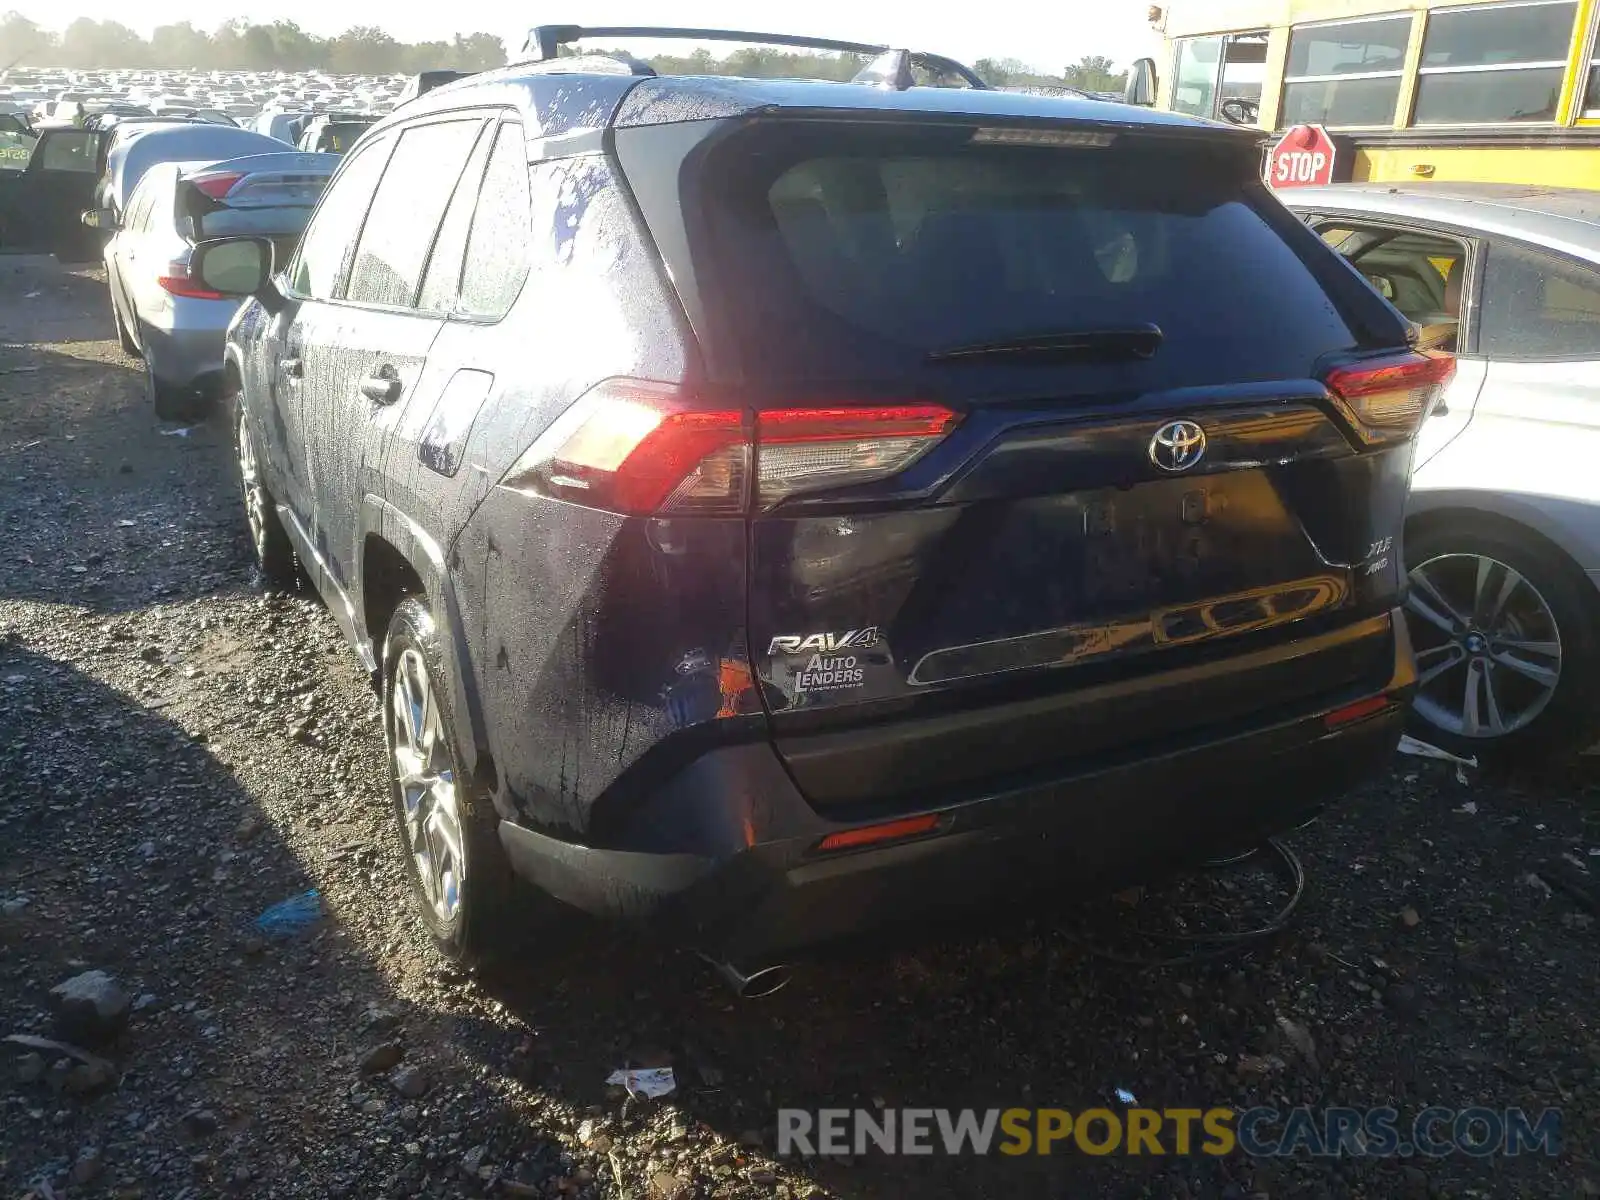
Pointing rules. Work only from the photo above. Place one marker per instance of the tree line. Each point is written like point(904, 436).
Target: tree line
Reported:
point(1091, 73)
point(238, 45)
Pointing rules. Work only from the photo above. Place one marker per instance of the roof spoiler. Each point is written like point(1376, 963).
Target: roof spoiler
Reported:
point(890, 67)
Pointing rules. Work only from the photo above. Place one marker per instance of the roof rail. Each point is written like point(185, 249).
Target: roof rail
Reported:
point(890, 67)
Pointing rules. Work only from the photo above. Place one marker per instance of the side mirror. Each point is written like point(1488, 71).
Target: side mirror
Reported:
point(1141, 86)
point(237, 266)
point(103, 219)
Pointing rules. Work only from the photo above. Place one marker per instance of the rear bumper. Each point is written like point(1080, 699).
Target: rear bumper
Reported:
point(184, 349)
point(725, 853)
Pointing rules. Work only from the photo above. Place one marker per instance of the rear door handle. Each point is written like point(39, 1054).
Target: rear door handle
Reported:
point(294, 368)
point(382, 386)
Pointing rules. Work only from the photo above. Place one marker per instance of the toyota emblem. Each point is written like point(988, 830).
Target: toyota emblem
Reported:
point(1177, 446)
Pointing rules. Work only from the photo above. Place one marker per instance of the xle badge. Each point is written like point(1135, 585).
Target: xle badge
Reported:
point(826, 643)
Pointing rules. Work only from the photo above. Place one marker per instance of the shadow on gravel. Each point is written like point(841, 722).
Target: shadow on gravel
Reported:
point(1012, 1014)
point(60, 304)
point(126, 846)
point(1484, 998)
point(79, 450)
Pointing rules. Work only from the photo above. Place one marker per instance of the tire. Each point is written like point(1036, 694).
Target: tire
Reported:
point(129, 346)
point(1504, 609)
point(465, 891)
point(275, 556)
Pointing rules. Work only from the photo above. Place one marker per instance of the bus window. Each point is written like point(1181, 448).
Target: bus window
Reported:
point(1194, 84)
point(1236, 96)
point(1244, 66)
point(1346, 73)
point(1489, 65)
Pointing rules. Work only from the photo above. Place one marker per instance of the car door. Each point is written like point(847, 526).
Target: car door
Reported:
point(1430, 275)
point(1536, 430)
point(59, 187)
point(297, 342)
point(121, 253)
point(475, 271)
point(380, 340)
point(143, 250)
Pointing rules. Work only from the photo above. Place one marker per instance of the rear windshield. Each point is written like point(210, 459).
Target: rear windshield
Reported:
point(853, 253)
point(339, 138)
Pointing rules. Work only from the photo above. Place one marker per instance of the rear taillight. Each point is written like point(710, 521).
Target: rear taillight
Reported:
point(1387, 399)
point(639, 447)
point(177, 280)
point(217, 186)
point(806, 450)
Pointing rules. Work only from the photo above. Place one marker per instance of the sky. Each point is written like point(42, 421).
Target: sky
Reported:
point(1045, 36)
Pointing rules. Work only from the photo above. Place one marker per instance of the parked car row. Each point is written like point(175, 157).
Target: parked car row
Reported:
point(56, 94)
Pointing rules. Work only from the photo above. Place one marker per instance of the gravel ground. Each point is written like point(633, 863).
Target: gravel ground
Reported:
point(180, 750)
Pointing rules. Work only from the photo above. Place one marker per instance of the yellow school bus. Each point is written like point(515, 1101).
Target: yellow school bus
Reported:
point(1506, 91)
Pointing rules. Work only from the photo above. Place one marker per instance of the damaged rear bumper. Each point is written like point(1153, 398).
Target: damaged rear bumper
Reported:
point(727, 854)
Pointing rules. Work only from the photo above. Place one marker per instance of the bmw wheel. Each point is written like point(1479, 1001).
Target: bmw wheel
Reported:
point(275, 555)
point(449, 833)
point(1504, 632)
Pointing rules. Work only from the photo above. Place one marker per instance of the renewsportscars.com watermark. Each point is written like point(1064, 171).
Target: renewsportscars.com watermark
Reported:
point(1258, 1132)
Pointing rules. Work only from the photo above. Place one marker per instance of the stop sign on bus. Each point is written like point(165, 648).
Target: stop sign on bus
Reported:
point(1303, 157)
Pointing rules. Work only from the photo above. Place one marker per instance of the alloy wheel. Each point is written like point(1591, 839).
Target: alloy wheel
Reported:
point(255, 495)
point(427, 784)
point(1488, 646)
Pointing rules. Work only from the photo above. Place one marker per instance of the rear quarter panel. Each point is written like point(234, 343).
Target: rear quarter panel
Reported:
point(564, 645)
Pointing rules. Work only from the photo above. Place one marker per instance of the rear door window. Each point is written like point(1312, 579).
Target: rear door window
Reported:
point(406, 211)
point(1538, 306)
point(497, 251)
point(442, 279)
point(138, 211)
point(71, 150)
point(855, 255)
point(327, 244)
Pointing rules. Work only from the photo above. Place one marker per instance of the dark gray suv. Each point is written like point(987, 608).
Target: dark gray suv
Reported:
point(779, 507)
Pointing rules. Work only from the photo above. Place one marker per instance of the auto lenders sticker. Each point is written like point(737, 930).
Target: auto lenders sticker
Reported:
point(830, 674)
point(829, 665)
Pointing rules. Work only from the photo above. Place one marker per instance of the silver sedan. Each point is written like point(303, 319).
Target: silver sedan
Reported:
point(1502, 541)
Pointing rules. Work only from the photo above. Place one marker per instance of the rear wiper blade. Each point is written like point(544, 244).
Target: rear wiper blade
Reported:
point(1132, 341)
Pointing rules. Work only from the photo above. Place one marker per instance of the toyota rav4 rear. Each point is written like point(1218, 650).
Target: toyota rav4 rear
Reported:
point(1027, 517)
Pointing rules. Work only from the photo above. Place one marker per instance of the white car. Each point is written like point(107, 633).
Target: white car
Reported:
point(1502, 539)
